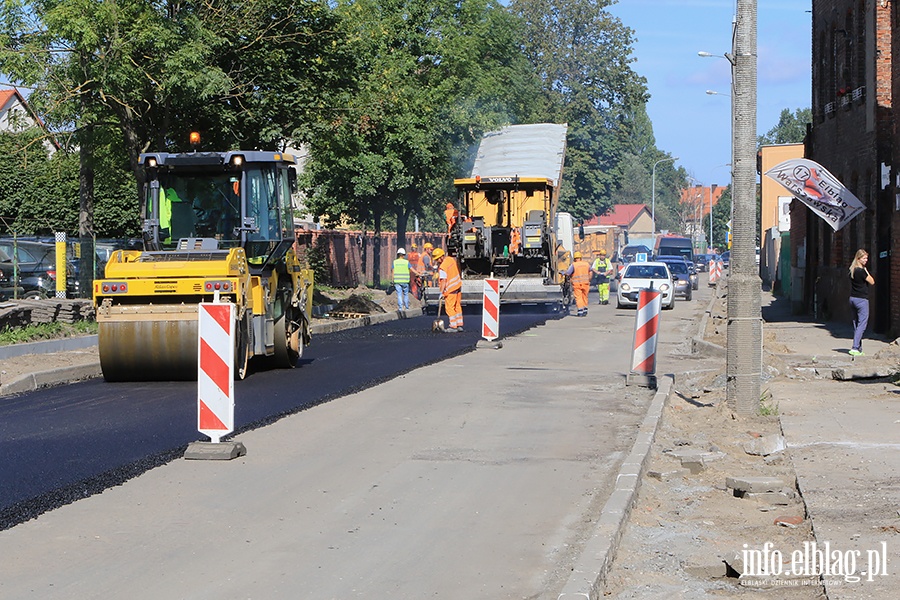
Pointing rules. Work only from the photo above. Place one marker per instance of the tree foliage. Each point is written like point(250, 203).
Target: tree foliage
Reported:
point(390, 96)
point(139, 75)
point(791, 128)
point(433, 75)
point(583, 57)
point(39, 191)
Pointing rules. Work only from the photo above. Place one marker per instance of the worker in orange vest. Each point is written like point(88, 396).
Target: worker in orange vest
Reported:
point(415, 283)
point(451, 215)
point(580, 272)
point(451, 289)
point(515, 241)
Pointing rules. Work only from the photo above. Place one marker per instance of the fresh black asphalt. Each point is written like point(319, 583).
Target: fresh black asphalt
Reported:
point(65, 443)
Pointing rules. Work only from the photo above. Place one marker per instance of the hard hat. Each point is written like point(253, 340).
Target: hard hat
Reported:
point(578, 255)
point(602, 251)
point(401, 251)
point(428, 246)
point(413, 246)
point(438, 253)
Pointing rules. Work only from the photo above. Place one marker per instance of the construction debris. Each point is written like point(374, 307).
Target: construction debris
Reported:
point(358, 305)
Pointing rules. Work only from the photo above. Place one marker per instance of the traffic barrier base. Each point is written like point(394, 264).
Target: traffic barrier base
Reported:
point(214, 450)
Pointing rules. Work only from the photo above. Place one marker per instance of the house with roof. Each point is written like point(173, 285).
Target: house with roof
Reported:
point(16, 116)
point(633, 218)
point(624, 224)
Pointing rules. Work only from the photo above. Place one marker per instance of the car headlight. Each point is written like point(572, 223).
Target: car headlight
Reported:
point(664, 287)
point(625, 287)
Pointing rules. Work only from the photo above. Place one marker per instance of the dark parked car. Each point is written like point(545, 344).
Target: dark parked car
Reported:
point(681, 272)
point(702, 261)
point(692, 271)
point(628, 252)
point(36, 267)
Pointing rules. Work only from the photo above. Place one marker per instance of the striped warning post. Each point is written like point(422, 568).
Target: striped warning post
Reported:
point(646, 325)
point(61, 271)
point(713, 273)
point(215, 375)
point(490, 315)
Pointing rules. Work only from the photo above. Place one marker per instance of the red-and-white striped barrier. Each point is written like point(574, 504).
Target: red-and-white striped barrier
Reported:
point(490, 314)
point(215, 375)
point(713, 272)
point(646, 326)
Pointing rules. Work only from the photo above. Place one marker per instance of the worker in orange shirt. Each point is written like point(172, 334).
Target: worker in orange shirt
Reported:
point(451, 289)
point(451, 215)
point(580, 272)
point(415, 283)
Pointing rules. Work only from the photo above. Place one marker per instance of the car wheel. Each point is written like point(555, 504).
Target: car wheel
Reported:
point(689, 297)
point(34, 295)
point(619, 304)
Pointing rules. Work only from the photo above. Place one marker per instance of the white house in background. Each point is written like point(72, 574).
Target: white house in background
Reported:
point(16, 115)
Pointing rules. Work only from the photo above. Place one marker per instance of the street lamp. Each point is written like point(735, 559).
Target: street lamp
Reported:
point(653, 192)
point(727, 56)
point(715, 93)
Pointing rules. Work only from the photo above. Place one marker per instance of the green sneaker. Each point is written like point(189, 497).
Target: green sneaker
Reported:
point(856, 353)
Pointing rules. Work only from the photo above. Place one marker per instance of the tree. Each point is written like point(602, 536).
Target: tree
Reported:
point(791, 128)
point(433, 76)
point(721, 218)
point(582, 55)
point(249, 75)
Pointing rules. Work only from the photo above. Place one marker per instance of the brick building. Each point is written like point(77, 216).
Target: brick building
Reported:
point(852, 136)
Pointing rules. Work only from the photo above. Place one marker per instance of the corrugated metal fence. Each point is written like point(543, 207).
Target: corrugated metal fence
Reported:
point(350, 255)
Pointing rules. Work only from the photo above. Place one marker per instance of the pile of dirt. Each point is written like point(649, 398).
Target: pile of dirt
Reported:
point(320, 299)
point(358, 304)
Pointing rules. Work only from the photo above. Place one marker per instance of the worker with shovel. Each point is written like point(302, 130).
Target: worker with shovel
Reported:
point(450, 283)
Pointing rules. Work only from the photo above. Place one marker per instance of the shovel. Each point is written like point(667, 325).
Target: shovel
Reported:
point(437, 325)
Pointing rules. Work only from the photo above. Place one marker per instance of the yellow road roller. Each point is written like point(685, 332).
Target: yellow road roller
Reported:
point(217, 226)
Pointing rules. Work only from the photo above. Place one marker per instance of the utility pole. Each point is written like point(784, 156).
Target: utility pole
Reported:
point(744, 352)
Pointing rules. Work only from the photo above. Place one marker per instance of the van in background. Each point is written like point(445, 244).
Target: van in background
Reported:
point(674, 246)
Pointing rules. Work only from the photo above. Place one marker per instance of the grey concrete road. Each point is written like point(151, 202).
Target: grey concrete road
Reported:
point(479, 477)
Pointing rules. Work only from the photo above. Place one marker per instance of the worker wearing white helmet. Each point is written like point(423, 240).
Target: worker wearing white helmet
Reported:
point(401, 273)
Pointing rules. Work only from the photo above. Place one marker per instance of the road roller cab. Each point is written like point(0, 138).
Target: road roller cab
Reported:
point(216, 225)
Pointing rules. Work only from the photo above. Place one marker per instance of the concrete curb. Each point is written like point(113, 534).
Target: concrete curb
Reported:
point(51, 377)
point(367, 320)
point(588, 577)
point(47, 346)
point(698, 344)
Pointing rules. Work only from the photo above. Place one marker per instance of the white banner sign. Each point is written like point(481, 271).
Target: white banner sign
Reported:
point(821, 191)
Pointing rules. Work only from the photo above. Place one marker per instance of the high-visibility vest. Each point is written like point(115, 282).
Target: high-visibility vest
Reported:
point(603, 267)
point(581, 275)
point(450, 279)
point(401, 271)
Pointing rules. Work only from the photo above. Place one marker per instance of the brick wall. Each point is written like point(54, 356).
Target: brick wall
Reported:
point(350, 255)
point(851, 136)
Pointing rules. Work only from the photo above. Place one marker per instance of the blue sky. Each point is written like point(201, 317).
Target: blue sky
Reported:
point(687, 122)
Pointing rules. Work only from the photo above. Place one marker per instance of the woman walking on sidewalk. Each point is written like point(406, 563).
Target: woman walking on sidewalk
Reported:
point(860, 280)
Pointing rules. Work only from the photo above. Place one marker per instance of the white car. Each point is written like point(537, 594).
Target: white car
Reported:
point(642, 275)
